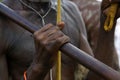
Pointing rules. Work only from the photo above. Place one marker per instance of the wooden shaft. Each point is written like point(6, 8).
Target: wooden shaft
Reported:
point(17, 18)
point(90, 62)
point(68, 49)
point(58, 69)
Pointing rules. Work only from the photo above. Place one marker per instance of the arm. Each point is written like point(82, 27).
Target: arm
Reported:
point(76, 22)
point(106, 4)
point(3, 60)
point(3, 67)
point(84, 45)
point(47, 41)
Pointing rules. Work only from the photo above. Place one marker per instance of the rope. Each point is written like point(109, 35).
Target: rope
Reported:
point(110, 17)
point(58, 69)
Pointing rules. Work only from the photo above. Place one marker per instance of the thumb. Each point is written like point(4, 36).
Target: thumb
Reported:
point(61, 25)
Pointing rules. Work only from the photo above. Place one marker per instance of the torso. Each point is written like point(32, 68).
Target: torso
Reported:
point(20, 43)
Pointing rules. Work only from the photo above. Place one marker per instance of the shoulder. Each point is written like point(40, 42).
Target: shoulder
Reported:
point(13, 4)
point(9, 31)
point(70, 6)
point(73, 13)
point(3, 32)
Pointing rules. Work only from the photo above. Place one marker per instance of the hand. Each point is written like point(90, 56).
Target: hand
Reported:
point(48, 40)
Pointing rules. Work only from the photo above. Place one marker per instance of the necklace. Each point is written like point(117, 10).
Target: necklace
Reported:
point(42, 17)
point(43, 22)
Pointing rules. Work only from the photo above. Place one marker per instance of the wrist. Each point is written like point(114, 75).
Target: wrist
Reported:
point(36, 72)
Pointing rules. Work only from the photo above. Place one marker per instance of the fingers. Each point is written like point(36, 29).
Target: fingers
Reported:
point(46, 32)
point(51, 37)
point(54, 45)
point(46, 27)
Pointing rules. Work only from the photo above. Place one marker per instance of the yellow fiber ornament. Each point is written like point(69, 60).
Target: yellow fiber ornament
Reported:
point(110, 17)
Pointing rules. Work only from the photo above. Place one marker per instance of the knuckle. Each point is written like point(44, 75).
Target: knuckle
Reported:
point(35, 34)
point(58, 41)
point(57, 28)
point(49, 24)
point(39, 38)
point(65, 39)
point(61, 33)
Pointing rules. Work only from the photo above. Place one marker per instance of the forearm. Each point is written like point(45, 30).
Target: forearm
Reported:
point(48, 40)
point(40, 66)
point(37, 72)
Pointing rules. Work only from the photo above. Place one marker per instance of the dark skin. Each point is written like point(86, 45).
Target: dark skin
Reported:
point(46, 49)
point(108, 57)
point(105, 6)
point(36, 53)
